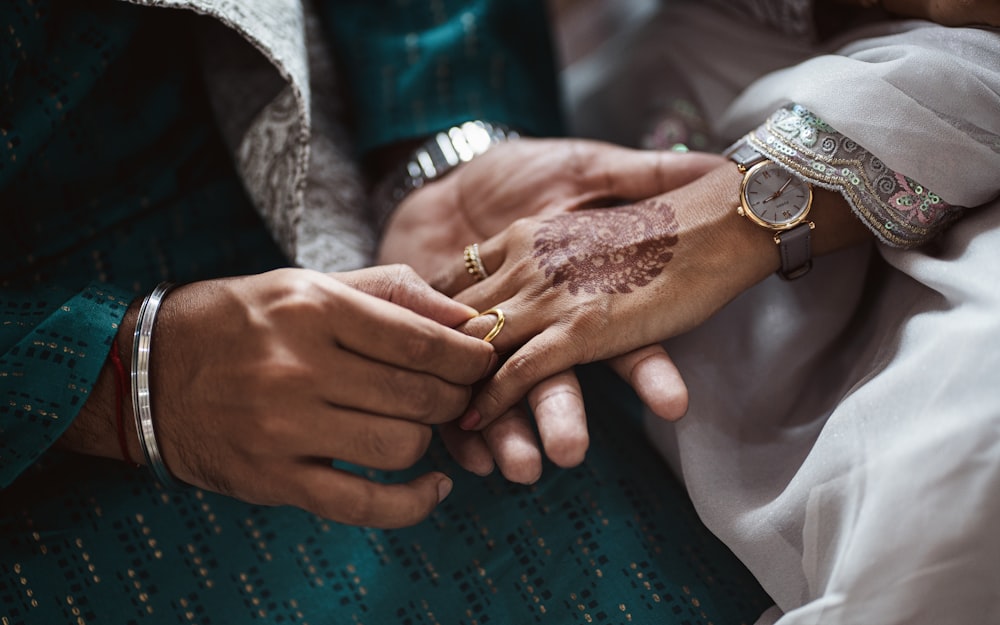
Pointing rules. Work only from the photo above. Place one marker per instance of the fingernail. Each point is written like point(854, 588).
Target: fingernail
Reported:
point(444, 489)
point(470, 419)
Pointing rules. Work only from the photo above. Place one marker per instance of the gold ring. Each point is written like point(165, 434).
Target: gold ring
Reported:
point(473, 262)
point(492, 334)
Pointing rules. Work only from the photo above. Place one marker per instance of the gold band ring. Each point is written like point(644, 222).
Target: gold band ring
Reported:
point(474, 264)
point(492, 334)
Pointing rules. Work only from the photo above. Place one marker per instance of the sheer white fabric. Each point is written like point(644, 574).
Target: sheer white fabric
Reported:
point(843, 436)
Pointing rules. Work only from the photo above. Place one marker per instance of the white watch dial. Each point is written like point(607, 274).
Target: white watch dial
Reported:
point(774, 197)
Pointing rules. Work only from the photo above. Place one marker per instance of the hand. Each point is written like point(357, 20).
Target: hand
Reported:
point(259, 382)
point(523, 178)
point(591, 285)
point(558, 409)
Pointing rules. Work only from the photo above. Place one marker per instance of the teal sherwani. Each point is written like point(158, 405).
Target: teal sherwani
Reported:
point(114, 177)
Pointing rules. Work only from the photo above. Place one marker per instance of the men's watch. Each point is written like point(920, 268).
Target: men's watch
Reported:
point(435, 158)
point(773, 197)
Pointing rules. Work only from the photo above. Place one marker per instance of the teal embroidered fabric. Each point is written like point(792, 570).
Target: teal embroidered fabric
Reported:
point(614, 540)
point(418, 67)
point(113, 178)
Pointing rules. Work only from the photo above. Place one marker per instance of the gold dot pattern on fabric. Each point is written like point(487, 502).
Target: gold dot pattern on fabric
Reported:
point(611, 541)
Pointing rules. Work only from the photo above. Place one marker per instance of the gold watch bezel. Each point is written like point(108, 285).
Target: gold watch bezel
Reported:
point(744, 208)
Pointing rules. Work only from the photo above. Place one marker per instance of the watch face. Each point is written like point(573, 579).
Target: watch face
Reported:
point(773, 197)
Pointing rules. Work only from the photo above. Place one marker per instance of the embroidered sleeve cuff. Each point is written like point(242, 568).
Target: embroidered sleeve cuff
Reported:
point(901, 212)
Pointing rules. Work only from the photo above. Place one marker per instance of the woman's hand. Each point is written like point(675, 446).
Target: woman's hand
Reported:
point(525, 178)
point(590, 285)
point(258, 382)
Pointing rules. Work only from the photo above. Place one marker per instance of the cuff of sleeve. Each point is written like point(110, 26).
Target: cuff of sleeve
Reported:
point(900, 211)
point(46, 377)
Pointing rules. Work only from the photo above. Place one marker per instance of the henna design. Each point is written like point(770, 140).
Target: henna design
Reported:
point(610, 250)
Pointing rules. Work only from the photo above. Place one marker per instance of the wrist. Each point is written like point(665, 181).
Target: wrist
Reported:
point(97, 429)
point(749, 249)
point(740, 250)
point(432, 160)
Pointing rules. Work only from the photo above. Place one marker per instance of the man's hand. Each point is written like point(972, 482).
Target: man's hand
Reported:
point(258, 382)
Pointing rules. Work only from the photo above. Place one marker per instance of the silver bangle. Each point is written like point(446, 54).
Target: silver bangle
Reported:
point(141, 346)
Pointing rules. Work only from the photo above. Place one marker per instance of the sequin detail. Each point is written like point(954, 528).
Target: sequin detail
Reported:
point(902, 212)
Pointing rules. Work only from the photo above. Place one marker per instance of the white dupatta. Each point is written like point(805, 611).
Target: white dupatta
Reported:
point(843, 436)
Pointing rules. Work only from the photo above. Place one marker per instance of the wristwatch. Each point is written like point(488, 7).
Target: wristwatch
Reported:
point(435, 158)
point(773, 197)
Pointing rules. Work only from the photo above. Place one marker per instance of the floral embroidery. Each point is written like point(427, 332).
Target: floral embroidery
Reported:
point(901, 211)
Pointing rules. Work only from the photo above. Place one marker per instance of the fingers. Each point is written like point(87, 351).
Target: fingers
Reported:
point(468, 449)
point(557, 404)
point(639, 174)
point(361, 438)
point(655, 378)
point(351, 499)
point(353, 381)
point(398, 336)
point(511, 438)
point(401, 285)
point(540, 358)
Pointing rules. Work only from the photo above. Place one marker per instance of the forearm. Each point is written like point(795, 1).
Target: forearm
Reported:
point(744, 253)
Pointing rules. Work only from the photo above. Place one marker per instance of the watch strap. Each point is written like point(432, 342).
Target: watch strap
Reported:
point(433, 159)
point(795, 249)
point(795, 244)
point(744, 154)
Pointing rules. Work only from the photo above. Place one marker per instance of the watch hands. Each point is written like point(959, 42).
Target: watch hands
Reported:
point(779, 191)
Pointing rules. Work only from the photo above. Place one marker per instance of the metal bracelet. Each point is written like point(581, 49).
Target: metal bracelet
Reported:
point(141, 405)
point(438, 155)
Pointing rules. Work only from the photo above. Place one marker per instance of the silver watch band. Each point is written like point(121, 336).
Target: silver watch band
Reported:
point(432, 160)
point(795, 244)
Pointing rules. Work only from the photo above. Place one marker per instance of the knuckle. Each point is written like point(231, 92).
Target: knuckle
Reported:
point(402, 274)
point(522, 226)
point(580, 161)
point(299, 294)
point(398, 448)
point(420, 347)
point(423, 401)
point(521, 367)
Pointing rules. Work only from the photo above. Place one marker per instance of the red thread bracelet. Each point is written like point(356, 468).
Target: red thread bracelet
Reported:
point(120, 383)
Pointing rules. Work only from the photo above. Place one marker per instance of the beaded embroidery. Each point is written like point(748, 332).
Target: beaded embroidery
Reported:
point(901, 211)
